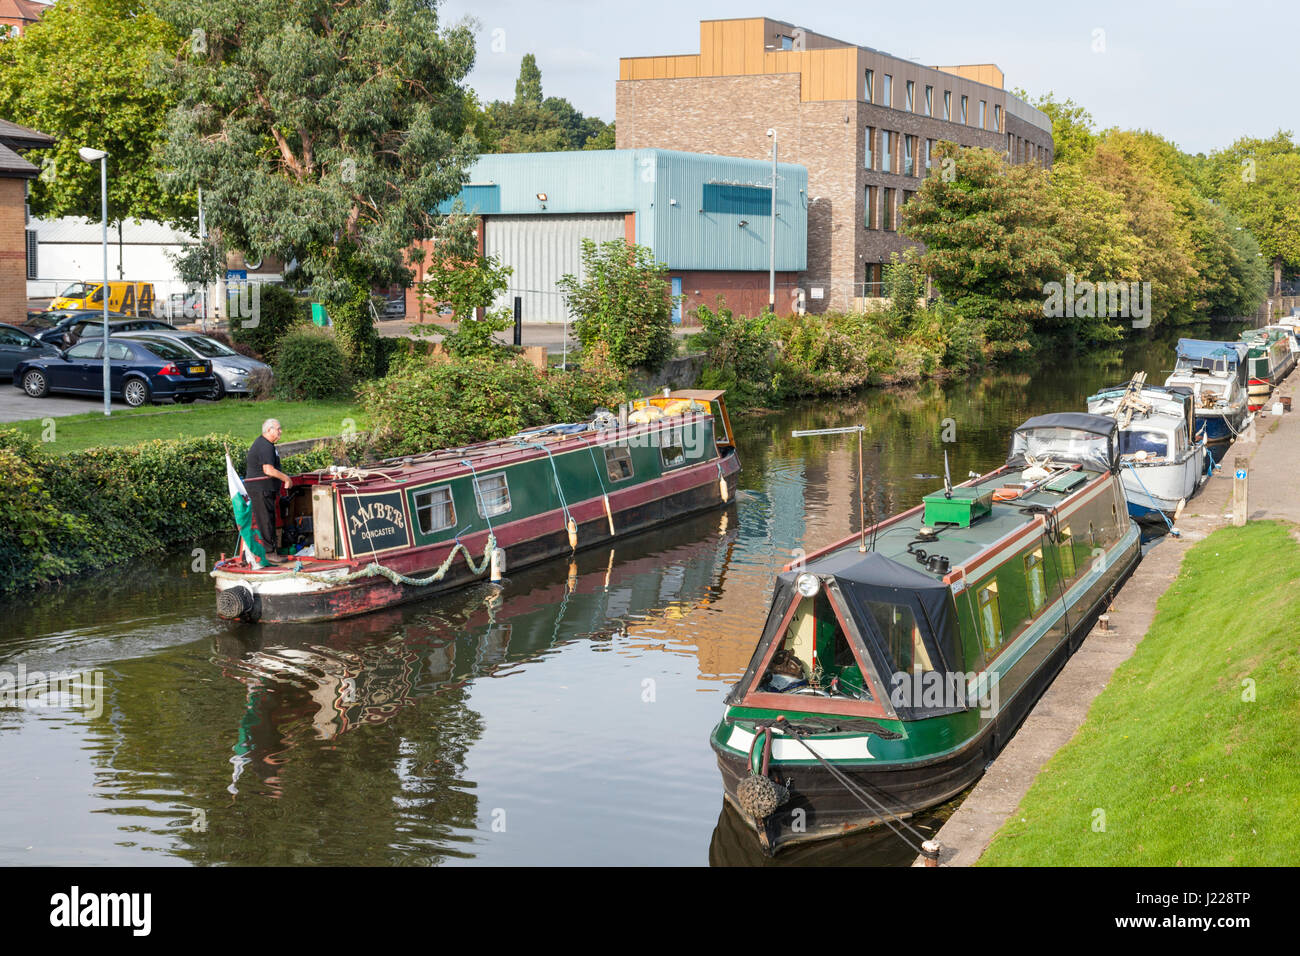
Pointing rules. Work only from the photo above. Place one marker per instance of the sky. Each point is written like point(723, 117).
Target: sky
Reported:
point(1200, 73)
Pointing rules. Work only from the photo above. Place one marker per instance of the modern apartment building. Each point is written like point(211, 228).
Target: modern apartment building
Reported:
point(864, 123)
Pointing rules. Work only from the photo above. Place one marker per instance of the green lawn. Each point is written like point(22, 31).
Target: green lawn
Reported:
point(1186, 768)
point(230, 416)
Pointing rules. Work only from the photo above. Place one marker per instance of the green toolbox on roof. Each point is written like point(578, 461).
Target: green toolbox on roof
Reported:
point(961, 506)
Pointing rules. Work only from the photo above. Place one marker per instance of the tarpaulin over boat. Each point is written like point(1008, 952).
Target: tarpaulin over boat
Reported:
point(1067, 437)
point(1223, 357)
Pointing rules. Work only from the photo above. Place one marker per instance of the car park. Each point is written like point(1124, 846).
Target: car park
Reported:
point(139, 372)
point(231, 369)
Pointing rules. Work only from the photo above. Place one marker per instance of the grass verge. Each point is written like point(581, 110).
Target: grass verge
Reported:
point(231, 416)
point(1188, 756)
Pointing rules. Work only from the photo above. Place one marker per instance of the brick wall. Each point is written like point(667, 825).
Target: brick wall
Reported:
point(745, 293)
point(13, 251)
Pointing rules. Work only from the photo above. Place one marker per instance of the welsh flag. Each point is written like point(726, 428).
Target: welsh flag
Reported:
point(243, 508)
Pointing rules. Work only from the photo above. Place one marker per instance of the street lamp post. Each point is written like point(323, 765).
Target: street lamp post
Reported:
point(90, 156)
point(771, 263)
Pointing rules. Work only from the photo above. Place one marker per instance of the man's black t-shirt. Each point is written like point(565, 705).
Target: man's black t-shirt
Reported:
point(261, 453)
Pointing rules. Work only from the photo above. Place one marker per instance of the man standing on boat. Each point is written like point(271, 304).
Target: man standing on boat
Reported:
point(262, 477)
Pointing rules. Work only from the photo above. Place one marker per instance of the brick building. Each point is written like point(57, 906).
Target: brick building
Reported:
point(864, 124)
point(17, 15)
point(14, 236)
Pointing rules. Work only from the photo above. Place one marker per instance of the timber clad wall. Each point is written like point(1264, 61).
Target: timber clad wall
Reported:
point(723, 99)
point(13, 250)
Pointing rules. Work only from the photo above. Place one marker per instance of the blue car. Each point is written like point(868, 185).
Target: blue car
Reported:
point(139, 372)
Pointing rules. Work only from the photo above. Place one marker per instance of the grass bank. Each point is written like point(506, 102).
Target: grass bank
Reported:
point(1188, 756)
point(232, 416)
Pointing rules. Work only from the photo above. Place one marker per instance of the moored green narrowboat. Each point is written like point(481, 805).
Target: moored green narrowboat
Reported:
point(885, 680)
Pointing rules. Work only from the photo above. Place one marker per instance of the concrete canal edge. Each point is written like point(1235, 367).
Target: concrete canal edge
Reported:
point(1274, 470)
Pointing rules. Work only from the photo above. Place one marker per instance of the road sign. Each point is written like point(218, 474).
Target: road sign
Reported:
point(1241, 473)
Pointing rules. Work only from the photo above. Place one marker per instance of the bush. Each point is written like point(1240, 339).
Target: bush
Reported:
point(65, 514)
point(310, 366)
point(279, 313)
point(241, 347)
point(449, 404)
point(740, 352)
point(624, 302)
point(396, 352)
point(261, 384)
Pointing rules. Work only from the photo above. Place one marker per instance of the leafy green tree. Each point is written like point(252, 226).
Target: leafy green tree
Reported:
point(468, 286)
point(1259, 180)
point(323, 131)
point(1073, 136)
point(81, 74)
point(991, 240)
point(528, 88)
point(531, 124)
point(904, 284)
point(623, 302)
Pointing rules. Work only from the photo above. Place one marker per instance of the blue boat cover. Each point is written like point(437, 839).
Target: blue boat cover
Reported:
point(1232, 352)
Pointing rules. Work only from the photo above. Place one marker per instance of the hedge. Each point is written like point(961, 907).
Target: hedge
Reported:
point(70, 513)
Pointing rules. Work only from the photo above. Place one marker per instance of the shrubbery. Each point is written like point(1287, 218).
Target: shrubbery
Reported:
point(64, 514)
point(279, 312)
point(420, 408)
point(309, 365)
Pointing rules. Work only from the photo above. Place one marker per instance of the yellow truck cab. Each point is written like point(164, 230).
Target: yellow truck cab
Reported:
point(129, 298)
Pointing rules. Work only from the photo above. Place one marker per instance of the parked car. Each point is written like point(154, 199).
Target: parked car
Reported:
point(139, 372)
point(17, 346)
point(231, 369)
point(90, 326)
point(40, 324)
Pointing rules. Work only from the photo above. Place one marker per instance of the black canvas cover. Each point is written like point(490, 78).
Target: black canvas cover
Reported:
point(1087, 439)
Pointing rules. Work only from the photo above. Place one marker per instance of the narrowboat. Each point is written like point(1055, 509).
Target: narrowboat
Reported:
point(1162, 461)
point(407, 528)
point(889, 674)
point(1268, 360)
point(1216, 374)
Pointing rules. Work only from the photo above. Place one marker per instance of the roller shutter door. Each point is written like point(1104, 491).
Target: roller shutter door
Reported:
point(540, 249)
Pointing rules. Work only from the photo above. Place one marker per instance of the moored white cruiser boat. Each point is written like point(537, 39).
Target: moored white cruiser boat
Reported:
point(1215, 372)
point(1162, 460)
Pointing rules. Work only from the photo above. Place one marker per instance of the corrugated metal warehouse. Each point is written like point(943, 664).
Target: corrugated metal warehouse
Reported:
point(707, 217)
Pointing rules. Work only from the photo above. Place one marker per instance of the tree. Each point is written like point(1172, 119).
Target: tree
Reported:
point(623, 302)
point(81, 74)
point(531, 124)
point(528, 88)
point(1258, 180)
point(991, 240)
point(468, 286)
point(1072, 133)
point(324, 132)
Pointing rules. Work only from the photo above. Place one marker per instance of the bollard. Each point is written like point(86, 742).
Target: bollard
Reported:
point(930, 851)
point(1239, 509)
point(1103, 622)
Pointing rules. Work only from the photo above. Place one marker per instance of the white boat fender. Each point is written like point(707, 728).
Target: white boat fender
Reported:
point(498, 564)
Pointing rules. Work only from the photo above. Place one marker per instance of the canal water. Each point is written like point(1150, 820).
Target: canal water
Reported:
point(563, 719)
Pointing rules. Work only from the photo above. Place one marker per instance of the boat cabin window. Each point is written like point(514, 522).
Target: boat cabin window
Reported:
point(434, 509)
point(1036, 580)
point(673, 455)
point(990, 617)
point(1061, 444)
point(1155, 444)
point(1067, 553)
point(493, 495)
point(897, 626)
point(814, 656)
point(618, 459)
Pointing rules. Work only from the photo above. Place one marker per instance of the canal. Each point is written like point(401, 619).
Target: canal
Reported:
point(564, 719)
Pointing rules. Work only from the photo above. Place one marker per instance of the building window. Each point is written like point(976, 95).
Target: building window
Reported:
point(997, 117)
point(911, 97)
point(492, 494)
point(434, 509)
point(867, 85)
point(869, 212)
point(887, 90)
point(929, 101)
point(872, 287)
point(909, 155)
point(618, 461)
point(886, 151)
point(869, 160)
point(787, 43)
point(737, 199)
point(33, 270)
point(983, 104)
point(887, 213)
point(1011, 148)
point(947, 104)
point(929, 153)
point(964, 101)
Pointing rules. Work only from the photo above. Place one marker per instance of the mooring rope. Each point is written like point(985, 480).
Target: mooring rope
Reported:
point(375, 569)
point(564, 505)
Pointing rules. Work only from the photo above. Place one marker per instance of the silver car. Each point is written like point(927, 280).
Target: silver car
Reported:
point(232, 369)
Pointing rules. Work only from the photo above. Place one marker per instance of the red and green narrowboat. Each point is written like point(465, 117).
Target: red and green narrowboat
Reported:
point(407, 528)
point(889, 674)
point(1269, 359)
